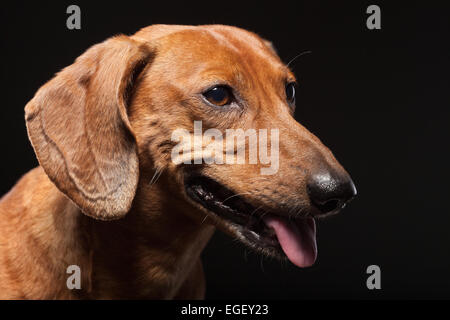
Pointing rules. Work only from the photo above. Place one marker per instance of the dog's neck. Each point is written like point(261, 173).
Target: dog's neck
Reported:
point(148, 254)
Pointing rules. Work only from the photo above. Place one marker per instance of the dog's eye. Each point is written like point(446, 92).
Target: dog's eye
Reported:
point(290, 92)
point(219, 96)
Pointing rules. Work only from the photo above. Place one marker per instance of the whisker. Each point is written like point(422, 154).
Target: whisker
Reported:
point(235, 195)
point(263, 214)
point(251, 214)
point(154, 176)
point(159, 175)
point(299, 55)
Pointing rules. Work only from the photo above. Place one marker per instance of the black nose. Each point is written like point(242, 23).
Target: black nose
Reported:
point(329, 192)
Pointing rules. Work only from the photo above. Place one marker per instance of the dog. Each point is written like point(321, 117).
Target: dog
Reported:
point(108, 196)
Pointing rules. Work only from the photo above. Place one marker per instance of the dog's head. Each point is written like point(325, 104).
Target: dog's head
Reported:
point(211, 107)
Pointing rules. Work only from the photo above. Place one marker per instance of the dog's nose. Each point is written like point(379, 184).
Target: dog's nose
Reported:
point(329, 191)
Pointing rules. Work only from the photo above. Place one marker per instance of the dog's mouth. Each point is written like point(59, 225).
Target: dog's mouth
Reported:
point(273, 234)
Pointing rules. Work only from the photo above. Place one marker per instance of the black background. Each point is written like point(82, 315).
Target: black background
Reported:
point(378, 99)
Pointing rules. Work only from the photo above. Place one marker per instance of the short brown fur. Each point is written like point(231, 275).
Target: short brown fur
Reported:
point(101, 131)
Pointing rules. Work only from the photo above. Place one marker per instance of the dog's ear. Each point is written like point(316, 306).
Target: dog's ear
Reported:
point(79, 129)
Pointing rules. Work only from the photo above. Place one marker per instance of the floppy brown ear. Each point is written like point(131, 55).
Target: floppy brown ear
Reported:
point(78, 126)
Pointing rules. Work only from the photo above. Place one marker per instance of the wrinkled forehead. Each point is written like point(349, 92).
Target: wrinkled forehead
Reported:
point(220, 54)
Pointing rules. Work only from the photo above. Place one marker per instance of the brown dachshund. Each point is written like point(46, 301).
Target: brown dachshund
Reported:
point(109, 196)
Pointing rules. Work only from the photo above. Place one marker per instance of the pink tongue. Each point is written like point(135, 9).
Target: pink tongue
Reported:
point(297, 239)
